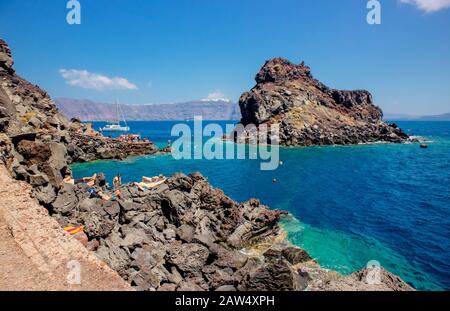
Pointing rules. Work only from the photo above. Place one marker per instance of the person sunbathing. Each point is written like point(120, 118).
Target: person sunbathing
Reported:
point(117, 195)
point(104, 196)
point(152, 179)
point(90, 181)
point(117, 181)
point(149, 183)
point(100, 195)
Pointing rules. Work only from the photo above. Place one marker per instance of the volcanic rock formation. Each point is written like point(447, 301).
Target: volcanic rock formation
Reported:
point(309, 113)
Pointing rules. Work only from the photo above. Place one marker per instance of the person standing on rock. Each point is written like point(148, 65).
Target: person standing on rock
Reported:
point(117, 181)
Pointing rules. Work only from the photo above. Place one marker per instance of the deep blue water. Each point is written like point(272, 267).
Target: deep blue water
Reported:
point(389, 203)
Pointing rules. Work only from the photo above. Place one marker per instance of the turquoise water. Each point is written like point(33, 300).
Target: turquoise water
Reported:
point(350, 205)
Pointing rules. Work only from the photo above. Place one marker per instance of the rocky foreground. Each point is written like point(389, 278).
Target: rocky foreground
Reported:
point(185, 235)
point(180, 235)
point(309, 113)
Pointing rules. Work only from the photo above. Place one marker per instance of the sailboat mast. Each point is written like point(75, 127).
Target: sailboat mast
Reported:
point(119, 110)
point(117, 113)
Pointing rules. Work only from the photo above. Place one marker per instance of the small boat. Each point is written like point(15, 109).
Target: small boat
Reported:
point(116, 126)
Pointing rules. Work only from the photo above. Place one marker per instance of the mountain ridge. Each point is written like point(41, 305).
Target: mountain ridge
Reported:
point(87, 110)
point(406, 117)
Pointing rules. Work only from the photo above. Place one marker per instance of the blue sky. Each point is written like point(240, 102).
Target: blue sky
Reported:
point(144, 51)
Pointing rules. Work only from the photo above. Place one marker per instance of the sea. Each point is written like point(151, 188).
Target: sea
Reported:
point(348, 205)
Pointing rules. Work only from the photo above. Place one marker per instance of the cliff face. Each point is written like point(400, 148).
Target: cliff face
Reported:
point(24, 107)
point(310, 113)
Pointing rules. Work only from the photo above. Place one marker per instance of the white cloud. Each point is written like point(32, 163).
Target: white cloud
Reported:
point(89, 80)
point(429, 6)
point(216, 96)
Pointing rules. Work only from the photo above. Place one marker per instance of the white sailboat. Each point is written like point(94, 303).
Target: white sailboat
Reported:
point(116, 126)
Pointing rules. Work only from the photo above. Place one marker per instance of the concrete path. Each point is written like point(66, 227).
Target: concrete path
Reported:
point(36, 253)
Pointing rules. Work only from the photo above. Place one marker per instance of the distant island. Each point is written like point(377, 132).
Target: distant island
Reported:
point(87, 110)
point(406, 117)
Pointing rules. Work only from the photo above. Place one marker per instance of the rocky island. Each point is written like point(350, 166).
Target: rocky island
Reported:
point(180, 235)
point(309, 113)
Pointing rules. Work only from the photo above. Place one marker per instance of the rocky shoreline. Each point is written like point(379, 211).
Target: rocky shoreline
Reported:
point(182, 234)
point(186, 235)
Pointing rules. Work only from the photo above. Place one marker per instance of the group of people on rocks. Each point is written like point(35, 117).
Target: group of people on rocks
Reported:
point(132, 138)
point(146, 183)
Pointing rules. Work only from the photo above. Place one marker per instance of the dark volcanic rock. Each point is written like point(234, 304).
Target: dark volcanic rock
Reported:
point(188, 257)
point(83, 148)
point(271, 276)
point(6, 60)
point(178, 236)
point(308, 112)
point(295, 255)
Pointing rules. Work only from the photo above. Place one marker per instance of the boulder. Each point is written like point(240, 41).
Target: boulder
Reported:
point(44, 194)
point(175, 277)
point(229, 258)
point(38, 180)
point(270, 277)
point(145, 280)
point(93, 245)
point(58, 161)
point(185, 232)
point(116, 257)
point(220, 277)
point(295, 255)
point(135, 238)
point(97, 226)
point(241, 235)
point(143, 259)
point(66, 200)
point(188, 257)
point(169, 234)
